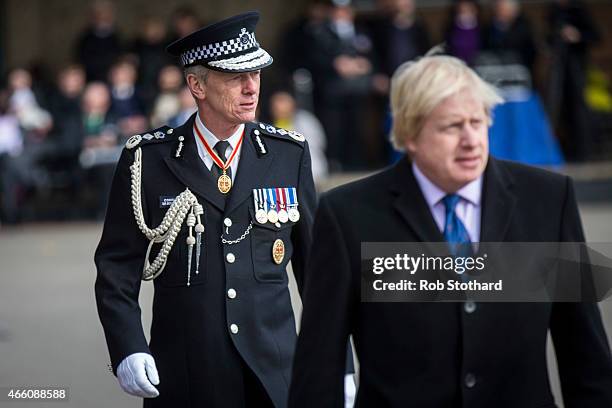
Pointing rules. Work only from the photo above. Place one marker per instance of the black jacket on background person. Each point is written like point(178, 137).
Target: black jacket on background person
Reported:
point(517, 40)
point(441, 355)
point(394, 46)
point(575, 14)
point(567, 78)
point(96, 51)
point(201, 362)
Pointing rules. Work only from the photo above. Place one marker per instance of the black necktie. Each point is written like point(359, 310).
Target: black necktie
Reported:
point(220, 148)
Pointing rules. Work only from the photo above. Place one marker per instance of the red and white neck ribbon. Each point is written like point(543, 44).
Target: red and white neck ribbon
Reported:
point(222, 165)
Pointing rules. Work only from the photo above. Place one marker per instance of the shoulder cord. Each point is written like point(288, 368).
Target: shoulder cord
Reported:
point(168, 229)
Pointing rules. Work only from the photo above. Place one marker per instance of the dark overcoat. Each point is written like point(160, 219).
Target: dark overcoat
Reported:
point(442, 355)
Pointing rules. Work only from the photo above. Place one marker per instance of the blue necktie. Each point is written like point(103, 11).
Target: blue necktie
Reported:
point(454, 231)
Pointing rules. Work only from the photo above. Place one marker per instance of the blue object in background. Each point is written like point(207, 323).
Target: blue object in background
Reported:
point(521, 132)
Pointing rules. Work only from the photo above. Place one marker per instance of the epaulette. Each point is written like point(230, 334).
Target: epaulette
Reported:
point(158, 135)
point(282, 133)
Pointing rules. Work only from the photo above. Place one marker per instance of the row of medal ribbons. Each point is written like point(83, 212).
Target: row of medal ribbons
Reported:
point(276, 205)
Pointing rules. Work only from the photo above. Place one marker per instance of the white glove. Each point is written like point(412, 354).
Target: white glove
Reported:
point(349, 391)
point(137, 375)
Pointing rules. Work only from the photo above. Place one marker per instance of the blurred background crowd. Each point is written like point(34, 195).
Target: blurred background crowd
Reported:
point(62, 130)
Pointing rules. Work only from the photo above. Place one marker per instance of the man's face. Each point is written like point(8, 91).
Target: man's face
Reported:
point(453, 146)
point(232, 98)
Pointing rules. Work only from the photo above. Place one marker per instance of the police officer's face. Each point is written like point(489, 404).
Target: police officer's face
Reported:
point(452, 148)
point(232, 97)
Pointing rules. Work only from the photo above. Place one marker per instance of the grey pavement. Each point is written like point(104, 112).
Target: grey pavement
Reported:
point(49, 330)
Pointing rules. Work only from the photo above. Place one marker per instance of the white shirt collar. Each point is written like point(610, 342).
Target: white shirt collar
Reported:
point(212, 140)
point(471, 192)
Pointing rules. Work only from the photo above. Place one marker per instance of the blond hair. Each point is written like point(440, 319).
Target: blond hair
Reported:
point(417, 87)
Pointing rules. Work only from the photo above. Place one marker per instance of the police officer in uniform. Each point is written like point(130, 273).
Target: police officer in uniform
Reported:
point(212, 211)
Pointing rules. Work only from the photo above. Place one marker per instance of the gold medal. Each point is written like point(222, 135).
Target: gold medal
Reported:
point(224, 183)
point(278, 251)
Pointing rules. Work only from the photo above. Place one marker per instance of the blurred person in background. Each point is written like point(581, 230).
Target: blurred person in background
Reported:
point(100, 149)
point(398, 36)
point(167, 103)
point(297, 38)
point(341, 54)
point(187, 107)
point(11, 146)
point(126, 103)
point(99, 44)
point(463, 30)
point(11, 138)
point(99, 124)
point(572, 32)
point(60, 164)
point(34, 120)
point(24, 172)
point(151, 58)
point(67, 132)
point(509, 35)
point(285, 114)
point(185, 21)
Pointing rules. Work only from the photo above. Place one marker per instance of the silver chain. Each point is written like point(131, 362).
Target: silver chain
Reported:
point(243, 236)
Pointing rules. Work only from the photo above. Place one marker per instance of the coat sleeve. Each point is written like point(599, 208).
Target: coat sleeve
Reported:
point(301, 235)
point(328, 299)
point(581, 345)
point(119, 261)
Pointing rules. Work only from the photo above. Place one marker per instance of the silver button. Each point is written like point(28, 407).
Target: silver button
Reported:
point(230, 257)
point(470, 380)
point(231, 293)
point(277, 225)
point(469, 306)
point(227, 222)
point(234, 328)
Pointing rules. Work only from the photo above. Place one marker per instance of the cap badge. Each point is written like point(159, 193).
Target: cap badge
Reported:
point(244, 36)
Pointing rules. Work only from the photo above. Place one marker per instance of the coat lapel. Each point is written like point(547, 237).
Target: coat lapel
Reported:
point(251, 171)
point(498, 203)
point(190, 169)
point(410, 204)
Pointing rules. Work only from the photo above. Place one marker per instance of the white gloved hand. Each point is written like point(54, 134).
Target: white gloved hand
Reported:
point(137, 374)
point(349, 390)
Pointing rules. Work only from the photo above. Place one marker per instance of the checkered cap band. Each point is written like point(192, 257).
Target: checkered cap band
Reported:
point(243, 42)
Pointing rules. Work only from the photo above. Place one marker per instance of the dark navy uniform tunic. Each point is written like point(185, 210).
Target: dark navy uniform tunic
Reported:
point(235, 319)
